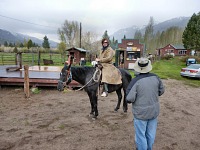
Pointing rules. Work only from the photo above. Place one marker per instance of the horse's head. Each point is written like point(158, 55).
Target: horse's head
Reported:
point(65, 78)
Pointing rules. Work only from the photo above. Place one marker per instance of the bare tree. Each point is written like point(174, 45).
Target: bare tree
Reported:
point(69, 33)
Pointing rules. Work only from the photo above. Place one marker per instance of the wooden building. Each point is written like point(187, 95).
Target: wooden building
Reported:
point(78, 54)
point(173, 49)
point(127, 53)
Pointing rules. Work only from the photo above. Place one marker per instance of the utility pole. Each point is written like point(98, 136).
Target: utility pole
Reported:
point(80, 34)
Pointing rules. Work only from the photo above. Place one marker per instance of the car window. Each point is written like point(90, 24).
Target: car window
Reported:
point(194, 66)
point(191, 59)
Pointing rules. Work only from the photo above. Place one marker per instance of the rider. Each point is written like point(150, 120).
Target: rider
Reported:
point(110, 74)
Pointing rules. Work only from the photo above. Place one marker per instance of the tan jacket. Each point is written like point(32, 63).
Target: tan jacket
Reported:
point(110, 74)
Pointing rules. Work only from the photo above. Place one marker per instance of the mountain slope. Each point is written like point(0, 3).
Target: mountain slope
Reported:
point(17, 37)
point(129, 32)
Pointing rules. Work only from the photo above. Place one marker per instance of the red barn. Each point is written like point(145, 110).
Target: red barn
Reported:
point(173, 49)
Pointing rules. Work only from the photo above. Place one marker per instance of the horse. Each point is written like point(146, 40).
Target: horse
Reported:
point(47, 62)
point(84, 75)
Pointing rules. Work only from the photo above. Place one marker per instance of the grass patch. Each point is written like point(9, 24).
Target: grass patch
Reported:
point(35, 90)
point(170, 69)
point(61, 126)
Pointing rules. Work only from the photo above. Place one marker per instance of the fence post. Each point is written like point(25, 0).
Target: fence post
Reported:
point(39, 57)
point(26, 81)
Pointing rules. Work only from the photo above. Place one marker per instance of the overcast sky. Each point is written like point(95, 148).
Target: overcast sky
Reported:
point(38, 18)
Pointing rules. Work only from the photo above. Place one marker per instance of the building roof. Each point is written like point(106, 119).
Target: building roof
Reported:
point(76, 48)
point(178, 46)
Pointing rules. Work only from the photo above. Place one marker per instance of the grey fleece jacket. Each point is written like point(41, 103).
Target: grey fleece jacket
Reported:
point(143, 92)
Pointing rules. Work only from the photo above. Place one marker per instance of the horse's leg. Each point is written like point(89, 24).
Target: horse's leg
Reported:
point(93, 101)
point(119, 94)
point(125, 106)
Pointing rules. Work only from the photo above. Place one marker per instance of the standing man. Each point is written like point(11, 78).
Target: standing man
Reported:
point(143, 92)
point(110, 74)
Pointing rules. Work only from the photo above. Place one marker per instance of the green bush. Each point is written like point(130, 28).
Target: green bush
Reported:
point(167, 57)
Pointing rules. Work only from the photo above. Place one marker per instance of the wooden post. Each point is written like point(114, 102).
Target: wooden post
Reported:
point(16, 59)
point(39, 57)
point(20, 60)
point(26, 81)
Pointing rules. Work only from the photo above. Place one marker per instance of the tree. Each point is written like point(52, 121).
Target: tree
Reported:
point(114, 43)
point(70, 33)
point(105, 35)
point(148, 36)
point(191, 34)
point(25, 43)
point(124, 36)
point(21, 45)
point(5, 43)
point(10, 44)
point(90, 42)
point(138, 35)
point(62, 47)
point(29, 44)
point(15, 50)
point(149, 30)
point(45, 43)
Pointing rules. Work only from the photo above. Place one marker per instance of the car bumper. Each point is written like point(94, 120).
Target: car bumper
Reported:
point(190, 75)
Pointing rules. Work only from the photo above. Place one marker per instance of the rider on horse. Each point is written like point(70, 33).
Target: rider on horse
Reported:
point(110, 74)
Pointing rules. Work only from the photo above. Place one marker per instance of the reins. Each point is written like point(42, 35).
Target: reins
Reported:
point(96, 76)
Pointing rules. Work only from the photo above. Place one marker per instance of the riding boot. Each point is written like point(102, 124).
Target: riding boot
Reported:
point(105, 90)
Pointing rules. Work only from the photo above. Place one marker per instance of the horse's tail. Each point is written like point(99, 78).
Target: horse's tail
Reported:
point(126, 79)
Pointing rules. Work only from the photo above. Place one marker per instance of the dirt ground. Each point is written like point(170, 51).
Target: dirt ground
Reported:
point(59, 121)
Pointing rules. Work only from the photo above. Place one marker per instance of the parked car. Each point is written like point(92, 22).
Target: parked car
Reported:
point(191, 61)
point(192, 70)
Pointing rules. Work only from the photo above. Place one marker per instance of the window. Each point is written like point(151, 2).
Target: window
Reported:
point(182, 52)
point(131, 55)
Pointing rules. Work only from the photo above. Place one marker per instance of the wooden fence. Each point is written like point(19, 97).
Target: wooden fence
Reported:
point(31, 58)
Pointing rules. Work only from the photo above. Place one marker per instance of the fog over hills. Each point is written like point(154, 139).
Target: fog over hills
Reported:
point(17, 37)
point(129, 32)
point(118, 35)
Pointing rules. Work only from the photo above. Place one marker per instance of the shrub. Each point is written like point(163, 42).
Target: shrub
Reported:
point(167, 57)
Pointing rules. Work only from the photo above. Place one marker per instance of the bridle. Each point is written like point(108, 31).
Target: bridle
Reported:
point(68, 76)
point(95, 77)
point(68, 72)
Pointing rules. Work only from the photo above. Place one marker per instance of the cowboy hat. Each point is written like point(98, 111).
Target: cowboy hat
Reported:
point(142, 65)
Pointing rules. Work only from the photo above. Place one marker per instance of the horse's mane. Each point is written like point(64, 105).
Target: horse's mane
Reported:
point(81, 74)
point(81, 69)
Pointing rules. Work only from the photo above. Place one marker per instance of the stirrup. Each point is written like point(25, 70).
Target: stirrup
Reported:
point(104, 94)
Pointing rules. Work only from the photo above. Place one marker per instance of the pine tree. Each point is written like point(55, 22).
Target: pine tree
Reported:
point(124, 36)
point(29, 44)
point(191, 34)
point(105, 35)
point(45, 43)
point(15, 50)
point(5, 43)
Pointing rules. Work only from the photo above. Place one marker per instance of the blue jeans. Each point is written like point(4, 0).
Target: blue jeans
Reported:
point(145, 133)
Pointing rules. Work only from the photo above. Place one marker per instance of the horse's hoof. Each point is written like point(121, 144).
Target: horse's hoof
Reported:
point(125, 110)
point(115, 110)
